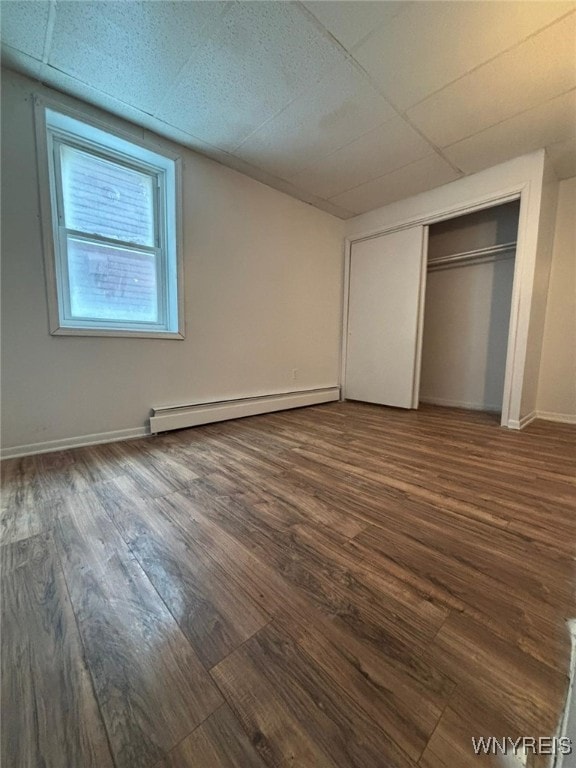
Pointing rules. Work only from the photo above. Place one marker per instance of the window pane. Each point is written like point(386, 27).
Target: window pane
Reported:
point(107, 199)
point(110, 283)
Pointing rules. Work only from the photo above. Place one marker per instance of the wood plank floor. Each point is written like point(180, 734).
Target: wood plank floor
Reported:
point(342, 586)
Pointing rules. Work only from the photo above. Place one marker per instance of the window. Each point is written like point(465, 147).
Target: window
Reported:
point(112, 251)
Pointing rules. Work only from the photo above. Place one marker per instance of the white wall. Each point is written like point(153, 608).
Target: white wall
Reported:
point(524, 173)
point(557, 385)
point(466, 318)
point(546, 225)
point(263, 284)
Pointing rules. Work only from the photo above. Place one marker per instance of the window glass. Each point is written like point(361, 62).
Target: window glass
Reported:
point(111, 283)
point(106, 198)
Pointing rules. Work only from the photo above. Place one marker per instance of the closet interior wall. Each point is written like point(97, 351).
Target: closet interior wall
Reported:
point(467, 309)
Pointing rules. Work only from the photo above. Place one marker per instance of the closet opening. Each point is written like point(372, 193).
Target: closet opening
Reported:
point(470, 273)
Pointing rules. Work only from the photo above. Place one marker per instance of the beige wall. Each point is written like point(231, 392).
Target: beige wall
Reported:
point(465, 336)
point(541, 279)
point(557, 384)
point(263, 286)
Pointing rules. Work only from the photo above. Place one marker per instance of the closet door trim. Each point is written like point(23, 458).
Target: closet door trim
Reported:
point(515, 358)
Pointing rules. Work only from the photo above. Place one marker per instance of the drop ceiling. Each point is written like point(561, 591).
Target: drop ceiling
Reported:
point(347, 105)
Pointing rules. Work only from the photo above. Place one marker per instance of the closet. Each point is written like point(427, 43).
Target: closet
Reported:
point(428, 312)
point(470, 271)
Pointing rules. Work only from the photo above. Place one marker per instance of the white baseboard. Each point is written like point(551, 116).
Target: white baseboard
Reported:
point(183, 416)
point(232, 409)
point(563, 418)
point(460, 404)
point(524, 421)
point(73, 442)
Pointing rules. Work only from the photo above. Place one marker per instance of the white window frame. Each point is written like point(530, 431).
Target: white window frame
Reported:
point(57, 124)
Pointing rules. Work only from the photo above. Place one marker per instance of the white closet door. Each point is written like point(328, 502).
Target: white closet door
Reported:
point(385, 312)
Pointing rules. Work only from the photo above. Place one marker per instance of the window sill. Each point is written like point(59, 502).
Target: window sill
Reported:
point(101, 332)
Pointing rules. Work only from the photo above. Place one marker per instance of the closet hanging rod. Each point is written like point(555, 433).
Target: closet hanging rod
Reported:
point(478, 255)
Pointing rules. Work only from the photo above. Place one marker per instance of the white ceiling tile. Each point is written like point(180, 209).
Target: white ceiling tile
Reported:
point(20, 62)
point(433, 43)
point(373, 154)
point(23, 25)
point(259, 59)
point(131, 50)
point(563, 157)
point(535, 71)
point(349, 22)
point(282, 185)
point(334, 111)
point(115, 108)
point(546, 124)
point(268, 79)
point(425, 174)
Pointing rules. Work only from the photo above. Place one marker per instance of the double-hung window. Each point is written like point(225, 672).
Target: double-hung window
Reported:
point(113, 266)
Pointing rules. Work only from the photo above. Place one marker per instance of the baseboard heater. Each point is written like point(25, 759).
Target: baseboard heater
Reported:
point(182, 416)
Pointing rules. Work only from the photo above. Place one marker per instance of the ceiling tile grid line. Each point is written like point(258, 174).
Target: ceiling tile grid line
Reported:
point(303, 94)
point(327, 117)
point(549, 124)
point(451, 38)
point(116, 107)
point(297, 97)
point(373, 84)
point(532, 73)
point(434, 145)
point(406, 119)
point(424, 135)
point(130, 50)
point(332, 39)
point(181, 73)
point(49, 31)
point(160, 126)
point(535, 34)
point(400, 168)
point(369, 16)
point(383, 150)
point(366, 75)
point(526, 111)
point(359, 68)
point(299, 94)
point(438, 148)
point(23, 27)
point(261, 57)
point(494, 58)
point(379, 178)
point(420, 176)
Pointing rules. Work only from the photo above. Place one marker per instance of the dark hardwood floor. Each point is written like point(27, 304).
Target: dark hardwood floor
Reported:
point(341, 586)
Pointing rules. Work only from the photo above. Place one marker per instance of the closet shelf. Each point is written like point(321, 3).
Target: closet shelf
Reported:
point(477, 256)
